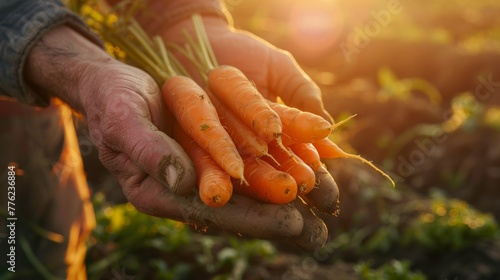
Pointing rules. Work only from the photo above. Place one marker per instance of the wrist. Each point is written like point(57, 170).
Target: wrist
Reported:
point(59, 63)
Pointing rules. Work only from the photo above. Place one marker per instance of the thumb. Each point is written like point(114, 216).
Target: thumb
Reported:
point(294, 86)
point(146, 149)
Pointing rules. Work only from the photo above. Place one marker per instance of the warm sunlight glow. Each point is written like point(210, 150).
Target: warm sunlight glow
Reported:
point(315, 26)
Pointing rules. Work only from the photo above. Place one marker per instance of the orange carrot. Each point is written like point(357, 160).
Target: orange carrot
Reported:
point(286, 140)
point(266, 183)
point(301, 126)
point(233, 88)
point(214, 184)
point(246, 140)
point(293, 165)
point(308, 153)
point(328, 149)
point(198, 118)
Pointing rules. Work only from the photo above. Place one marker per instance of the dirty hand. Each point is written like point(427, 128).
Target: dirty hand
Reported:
point(124, 114)
point(123, 110)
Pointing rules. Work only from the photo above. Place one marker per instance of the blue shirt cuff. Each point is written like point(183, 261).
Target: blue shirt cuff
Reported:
point(22, 23)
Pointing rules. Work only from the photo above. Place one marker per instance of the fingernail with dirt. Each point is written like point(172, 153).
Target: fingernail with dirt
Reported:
point(170, 171)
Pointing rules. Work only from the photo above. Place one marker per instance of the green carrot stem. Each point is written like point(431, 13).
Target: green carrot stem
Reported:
point(144, 61)
point(204, 52)
point(179, 68)
point(188, 53)
point(204, 39)
point(147, 47)
point(140, 31)
point(196, 49)
point(163, 53)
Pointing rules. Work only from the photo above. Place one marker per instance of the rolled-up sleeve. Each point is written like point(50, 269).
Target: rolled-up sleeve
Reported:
point(22, 23)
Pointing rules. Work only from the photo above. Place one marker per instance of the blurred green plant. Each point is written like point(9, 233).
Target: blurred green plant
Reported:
point(392, 86)
point(433, 224)
point(465, 113)
point(130, 240)
point(481, 40)
point(384, 238)
point(492, 118)
point(234, 259)
point(393, 270)
point(450, 224)
point(124, 225)
point(122, 233)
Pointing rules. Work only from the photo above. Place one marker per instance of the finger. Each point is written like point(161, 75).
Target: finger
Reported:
point(241, 215)
point(149, 149)
point(294, 86)
point(325, 194)
point(141, 190)
point(314, 234)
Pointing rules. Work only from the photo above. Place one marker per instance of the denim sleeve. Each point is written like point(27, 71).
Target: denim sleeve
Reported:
point(22, 23)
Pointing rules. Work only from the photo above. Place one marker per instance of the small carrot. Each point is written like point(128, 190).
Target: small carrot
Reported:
point(214, 184)
point(198, 118)
point(246, 140)
point(293, 165)
point(328, 149)
point(233, 88)
point(308, 153)
point(301, 126)
point(266, 183)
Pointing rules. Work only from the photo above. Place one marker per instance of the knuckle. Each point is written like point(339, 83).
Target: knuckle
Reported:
point(117, 110)
point(140, 150)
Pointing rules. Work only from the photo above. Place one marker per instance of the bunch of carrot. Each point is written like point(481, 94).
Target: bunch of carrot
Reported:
point(280, 147)
point(238, 140)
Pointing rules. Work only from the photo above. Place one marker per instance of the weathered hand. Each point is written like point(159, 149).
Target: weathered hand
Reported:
point(123, 109)
point(124, 114)
point(123, 119)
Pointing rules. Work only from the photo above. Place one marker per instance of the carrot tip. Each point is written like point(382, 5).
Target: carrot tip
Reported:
point(280, 144)
point(341, 122)
point(244, 181)
point(271, 157)
point(302, 188)
point(369, 163)
point(217, 199)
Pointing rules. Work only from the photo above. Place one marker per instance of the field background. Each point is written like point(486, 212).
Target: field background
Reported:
point(423, 78)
